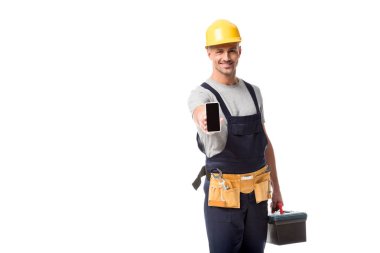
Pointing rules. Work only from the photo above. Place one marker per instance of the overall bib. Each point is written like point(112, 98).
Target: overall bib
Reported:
point(244, 229)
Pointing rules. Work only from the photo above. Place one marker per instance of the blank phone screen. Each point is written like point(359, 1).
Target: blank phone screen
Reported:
point(212, 113)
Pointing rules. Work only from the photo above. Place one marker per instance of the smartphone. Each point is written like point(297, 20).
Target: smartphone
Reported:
point(213, 119)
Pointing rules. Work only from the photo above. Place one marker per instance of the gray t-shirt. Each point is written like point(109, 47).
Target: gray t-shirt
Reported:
point(238, 101)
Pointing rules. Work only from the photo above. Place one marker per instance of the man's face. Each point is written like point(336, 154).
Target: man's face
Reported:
point(225, 58)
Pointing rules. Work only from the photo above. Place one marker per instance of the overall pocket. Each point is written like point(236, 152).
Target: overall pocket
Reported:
point(250, 137)
point(220, 196)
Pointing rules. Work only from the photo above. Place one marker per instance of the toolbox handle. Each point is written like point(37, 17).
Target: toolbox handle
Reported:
point(279, 207)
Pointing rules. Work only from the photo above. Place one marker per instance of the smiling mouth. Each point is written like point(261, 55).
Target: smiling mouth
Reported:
point(226, 65)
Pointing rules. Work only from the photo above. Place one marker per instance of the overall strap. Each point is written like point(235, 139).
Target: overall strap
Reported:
point(253, 95)
point(219, 98)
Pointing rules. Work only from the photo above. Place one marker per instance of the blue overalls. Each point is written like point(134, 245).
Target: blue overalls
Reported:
point(244, 229)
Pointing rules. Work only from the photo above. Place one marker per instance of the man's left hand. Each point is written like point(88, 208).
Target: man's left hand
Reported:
point(276, 200)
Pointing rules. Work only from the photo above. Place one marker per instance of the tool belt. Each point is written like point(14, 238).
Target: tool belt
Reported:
point(225, 189)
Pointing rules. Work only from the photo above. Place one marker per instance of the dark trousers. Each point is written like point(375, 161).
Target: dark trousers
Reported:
point(237, 230)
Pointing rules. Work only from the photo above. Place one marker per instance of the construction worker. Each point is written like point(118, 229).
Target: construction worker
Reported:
point(240, 163)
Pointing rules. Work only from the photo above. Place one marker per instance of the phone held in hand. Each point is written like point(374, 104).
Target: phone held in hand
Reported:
point(213, 119)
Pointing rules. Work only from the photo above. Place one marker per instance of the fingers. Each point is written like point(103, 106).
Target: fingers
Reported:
point(203, 123)
point(273, 207)
point(276, 205)
point(201, 119)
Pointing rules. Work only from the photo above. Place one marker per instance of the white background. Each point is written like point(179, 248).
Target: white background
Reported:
point(97, 146)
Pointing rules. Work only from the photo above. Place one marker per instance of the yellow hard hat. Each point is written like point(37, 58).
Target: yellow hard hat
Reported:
point(221, 32)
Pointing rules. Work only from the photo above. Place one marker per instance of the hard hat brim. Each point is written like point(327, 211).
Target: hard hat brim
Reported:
point(225, 41)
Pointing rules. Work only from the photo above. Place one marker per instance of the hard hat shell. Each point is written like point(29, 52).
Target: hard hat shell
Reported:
point(221, 32)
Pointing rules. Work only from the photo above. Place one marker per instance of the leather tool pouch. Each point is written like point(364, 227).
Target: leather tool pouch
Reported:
point(224, 192)
point(262, 187)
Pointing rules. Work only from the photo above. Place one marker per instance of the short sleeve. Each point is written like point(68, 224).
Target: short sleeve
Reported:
point(197, 97)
